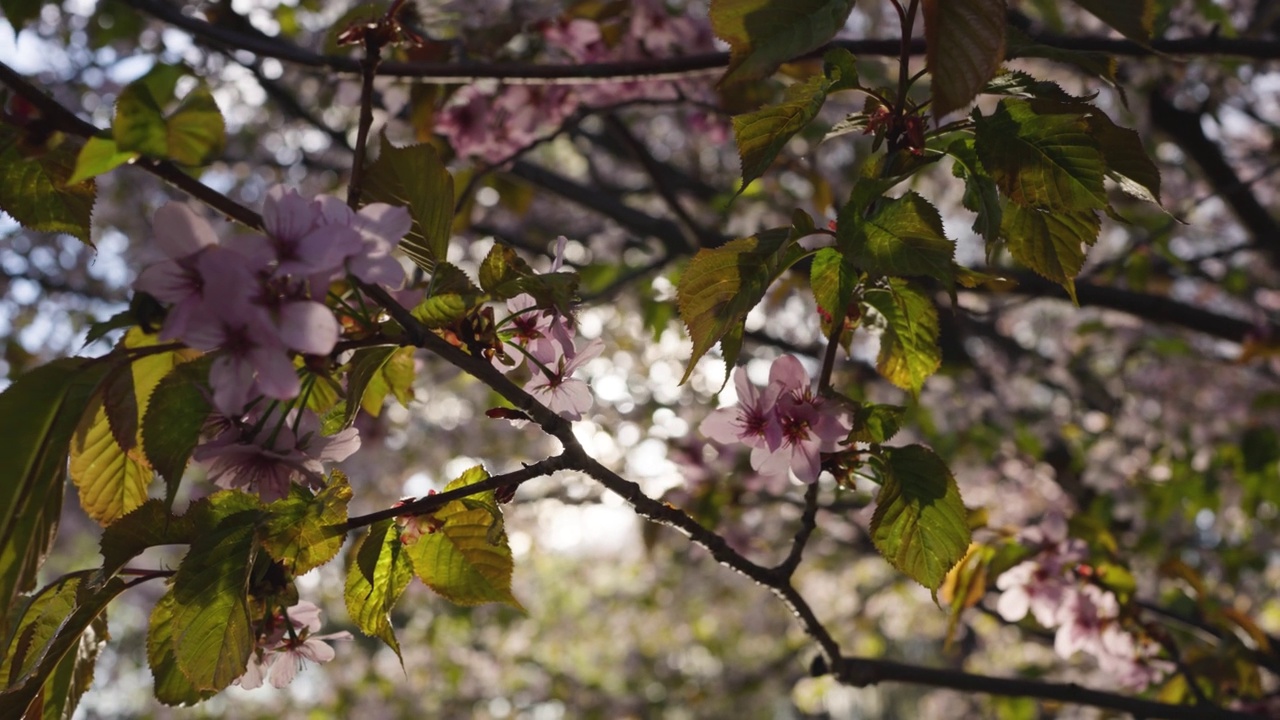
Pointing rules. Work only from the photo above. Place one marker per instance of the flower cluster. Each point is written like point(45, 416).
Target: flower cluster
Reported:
point(256, 299)
point(786, 426)
point(547, 338)
point(285, 641)
point(494, 122)
point(1085, 616)
point(266, 452)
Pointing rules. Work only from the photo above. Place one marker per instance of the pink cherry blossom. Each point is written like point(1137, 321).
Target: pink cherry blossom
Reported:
point(266, 455)
point(787, 426)
point(304, 243)
point(283, 651)
point(752, 421)
point(553, 385)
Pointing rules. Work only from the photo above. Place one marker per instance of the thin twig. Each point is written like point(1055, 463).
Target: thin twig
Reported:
point(430, 503)
point(808, 523)
point(368, 71)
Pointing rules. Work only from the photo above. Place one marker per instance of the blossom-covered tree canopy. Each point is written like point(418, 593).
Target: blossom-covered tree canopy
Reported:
point(665, 358)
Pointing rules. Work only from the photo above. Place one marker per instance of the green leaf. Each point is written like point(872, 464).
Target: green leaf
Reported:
point(366, 363)
point(395, 377)
point(840, 67)
point(903, 236)
point(139, 122)
point(909, 351)
point(467, 559)
point(919, 524)
point(171, 686)
point(148, 526)
point(108, 464)
point(304, 531)
point(38, 415)
point(721, 285)
point(192, 135)
point(162, 80)
point(763, 34)
point(99, 330)
point(99, 155)
point(444, 309)
point(375, 581)
point(414, 177)
point(1015, 83)
point(195, 132)
point(211, 628)
point(980, 193)
point(1133, 18)
point(876, 424)
point(502, 266)
point(62, 622)
point(833, 280)
point(1050, 243)
point(1044, 161)
point(175, 414)
point(34, 188)
point(504, 274)
point(965, 46)
point(762, 134)
point(111, 481)
point(1127, 161)
point(73, 675)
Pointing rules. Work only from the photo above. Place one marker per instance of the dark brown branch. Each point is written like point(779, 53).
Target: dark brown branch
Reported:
point(1184, 127)
point(60, 118)
point(1148, 307)
point(653, 69)
point(808, 523)
point(431, 503)
point(861, 672)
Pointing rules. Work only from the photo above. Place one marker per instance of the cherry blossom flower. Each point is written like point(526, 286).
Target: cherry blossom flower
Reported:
point(752, 421)
point(304, 244)
point(553, 385)
point(283, 651)
point(267, 455)
point(194, 264)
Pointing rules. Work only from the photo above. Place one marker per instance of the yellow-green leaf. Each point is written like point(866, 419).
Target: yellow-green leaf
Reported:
point(909, 351)
point(379, 573)
point(171, 686)
point(763, 34)
point(762, 134)
point(99, 155)
point(466, 559)
point(111, 481)
point(414, 177)
point(1048, 161)
point(195, 131)
point(211, 628)
point(904, 236)
point(919, 524)
point(1050, 243)
point(722, 284)
point(304, 531)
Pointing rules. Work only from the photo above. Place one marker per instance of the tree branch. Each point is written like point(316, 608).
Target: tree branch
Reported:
point(60, 118)
point(1184, 127)
point(659, 68)
point(430, 503)
point(861, 672)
